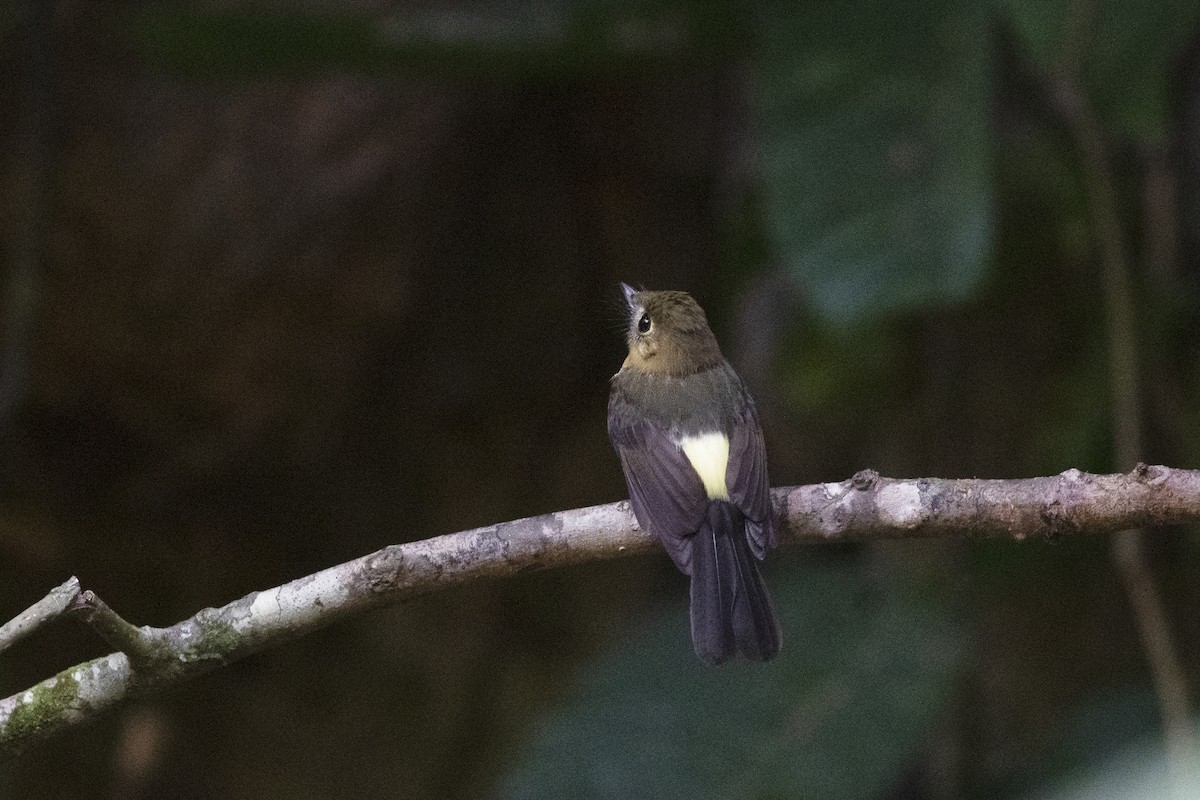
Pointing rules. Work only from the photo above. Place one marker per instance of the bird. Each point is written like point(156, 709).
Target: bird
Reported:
point(686, 431)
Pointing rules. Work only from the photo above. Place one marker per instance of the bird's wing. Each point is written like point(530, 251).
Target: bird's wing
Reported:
point(747, 483)
point(667, 495)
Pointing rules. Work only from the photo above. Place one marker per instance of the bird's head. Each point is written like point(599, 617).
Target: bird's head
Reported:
point(668, 333)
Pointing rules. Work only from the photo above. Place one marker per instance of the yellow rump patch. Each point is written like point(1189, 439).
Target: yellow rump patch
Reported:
point(709, 456)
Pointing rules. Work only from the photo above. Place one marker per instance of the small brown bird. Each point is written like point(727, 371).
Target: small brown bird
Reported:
point(688, 436)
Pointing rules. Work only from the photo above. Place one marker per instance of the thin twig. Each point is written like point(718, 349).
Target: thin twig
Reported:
point(129, 639)
point(1170, 680)
point(865, 507)
point(46, 610)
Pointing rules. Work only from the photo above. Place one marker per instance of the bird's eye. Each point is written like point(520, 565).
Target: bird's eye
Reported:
point(644, 323)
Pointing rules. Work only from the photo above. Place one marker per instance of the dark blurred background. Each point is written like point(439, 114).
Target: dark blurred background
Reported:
point(287, 282)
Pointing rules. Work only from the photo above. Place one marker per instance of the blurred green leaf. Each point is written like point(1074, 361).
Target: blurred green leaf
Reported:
point(1127, 49)
point(862, 675)
point(551, 40)
point(874, 150)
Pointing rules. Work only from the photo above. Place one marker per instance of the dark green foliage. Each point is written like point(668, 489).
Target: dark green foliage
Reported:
point(1125, 51)
point(863, 676)
point(875, 151)
point(554, 42)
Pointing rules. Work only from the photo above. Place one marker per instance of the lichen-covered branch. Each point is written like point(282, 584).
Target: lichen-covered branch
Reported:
point(865, 507)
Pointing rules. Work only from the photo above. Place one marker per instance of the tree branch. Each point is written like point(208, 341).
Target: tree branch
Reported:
point(866, 507)
point(132, 641)
point(47, 609)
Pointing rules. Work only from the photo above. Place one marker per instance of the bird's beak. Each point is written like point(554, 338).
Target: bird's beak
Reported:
point(630, 292)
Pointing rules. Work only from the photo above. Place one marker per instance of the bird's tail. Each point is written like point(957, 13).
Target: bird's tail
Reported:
point(731, 610)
